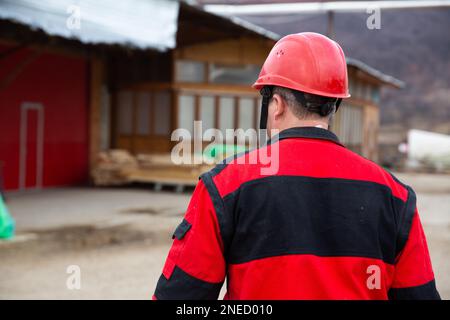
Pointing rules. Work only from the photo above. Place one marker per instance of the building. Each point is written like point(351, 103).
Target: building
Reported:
point(357, 122)
point(64, 96)
point(54, 92)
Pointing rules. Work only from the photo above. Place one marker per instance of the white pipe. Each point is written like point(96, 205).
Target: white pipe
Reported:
point(317, 7)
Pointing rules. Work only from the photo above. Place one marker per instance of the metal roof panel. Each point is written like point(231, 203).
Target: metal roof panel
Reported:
point(137, 23)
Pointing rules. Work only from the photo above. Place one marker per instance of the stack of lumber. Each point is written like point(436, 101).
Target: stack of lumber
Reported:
point(118, 167)
point(159, 168)
point(112, 167)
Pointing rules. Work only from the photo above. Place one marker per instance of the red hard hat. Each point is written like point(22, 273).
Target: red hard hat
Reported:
point(307, 62)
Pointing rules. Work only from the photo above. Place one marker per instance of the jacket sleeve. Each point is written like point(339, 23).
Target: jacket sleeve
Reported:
point(414, 278)
point(195, 265)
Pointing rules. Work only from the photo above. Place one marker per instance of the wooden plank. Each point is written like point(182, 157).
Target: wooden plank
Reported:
point(255, 114)
point(213, 88)
point(237, 108)
point(160, 179)
point(148, 86)
point(197, 107)
point(216, 111)
point(114, 124)
point(96, 80)
point(371, 125)
point(234, 51)
point(166, 176)
point(134, 117)
point(195, 88)
point(174, 113)
point(152, 112)
point(118, 167)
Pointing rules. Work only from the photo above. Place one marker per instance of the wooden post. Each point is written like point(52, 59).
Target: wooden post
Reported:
point(216, 111)
point(370, 132)
point(96, 80)
point(330, 25)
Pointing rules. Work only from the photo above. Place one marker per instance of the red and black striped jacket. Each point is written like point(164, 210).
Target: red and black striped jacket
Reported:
point(329, 224)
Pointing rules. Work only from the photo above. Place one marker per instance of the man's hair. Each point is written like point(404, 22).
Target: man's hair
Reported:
point(311, 111)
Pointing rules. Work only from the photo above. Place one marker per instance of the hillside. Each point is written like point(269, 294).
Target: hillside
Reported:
point(412, 45)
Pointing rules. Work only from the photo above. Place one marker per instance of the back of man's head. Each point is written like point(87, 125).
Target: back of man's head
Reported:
point(307, 106)
point(314, 68)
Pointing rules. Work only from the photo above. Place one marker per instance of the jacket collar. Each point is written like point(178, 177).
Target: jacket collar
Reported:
point(307, 132)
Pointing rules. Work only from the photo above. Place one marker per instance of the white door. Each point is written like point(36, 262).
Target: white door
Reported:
point(31, 145)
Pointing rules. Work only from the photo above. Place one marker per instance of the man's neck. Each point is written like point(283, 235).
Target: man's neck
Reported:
point(312, 123)
point(305, 123)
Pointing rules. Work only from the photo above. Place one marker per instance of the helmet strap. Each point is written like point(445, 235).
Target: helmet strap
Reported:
point(322, 109)
point(338, 103)
point(266, 93)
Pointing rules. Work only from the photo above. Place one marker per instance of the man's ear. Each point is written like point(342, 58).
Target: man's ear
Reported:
point(279, 106)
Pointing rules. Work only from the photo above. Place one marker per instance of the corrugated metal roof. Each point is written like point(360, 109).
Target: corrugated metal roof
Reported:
point(142, 24)
point(387, 79)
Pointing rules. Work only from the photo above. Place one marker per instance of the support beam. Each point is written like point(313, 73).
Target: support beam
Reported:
point(96, 81)
point(330, 25)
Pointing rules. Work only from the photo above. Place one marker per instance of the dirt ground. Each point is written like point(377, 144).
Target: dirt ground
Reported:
point(119, 238)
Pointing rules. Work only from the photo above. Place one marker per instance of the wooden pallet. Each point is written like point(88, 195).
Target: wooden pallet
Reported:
point(156, 169)
point(162, 178)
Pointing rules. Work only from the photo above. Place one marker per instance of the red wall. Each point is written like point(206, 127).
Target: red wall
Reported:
point(60, 84)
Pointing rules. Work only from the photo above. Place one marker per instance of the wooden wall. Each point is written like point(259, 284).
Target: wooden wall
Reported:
point(130, 78)
point(371, 131)
point(235, 51)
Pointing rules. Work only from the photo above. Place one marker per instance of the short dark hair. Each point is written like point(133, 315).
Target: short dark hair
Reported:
point(313, 103)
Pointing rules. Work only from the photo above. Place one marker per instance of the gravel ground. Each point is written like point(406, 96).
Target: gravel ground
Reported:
point(120, 237)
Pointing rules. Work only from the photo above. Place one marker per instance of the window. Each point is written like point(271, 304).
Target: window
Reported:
point(348, 124)
point(363, 91)
point(189, 71)
point(161, 107)
point(375, 94)
point(143, 113)
point(367, 92)
point(229, 112)
point(258, 111)
point(226, 114)
point(246, 113)
point(219, 73)
point(358, 89)
point(125, 112)
point(207, 112)
point(186, 109)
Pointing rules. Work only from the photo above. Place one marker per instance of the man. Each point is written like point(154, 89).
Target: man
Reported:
point(329, 224)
